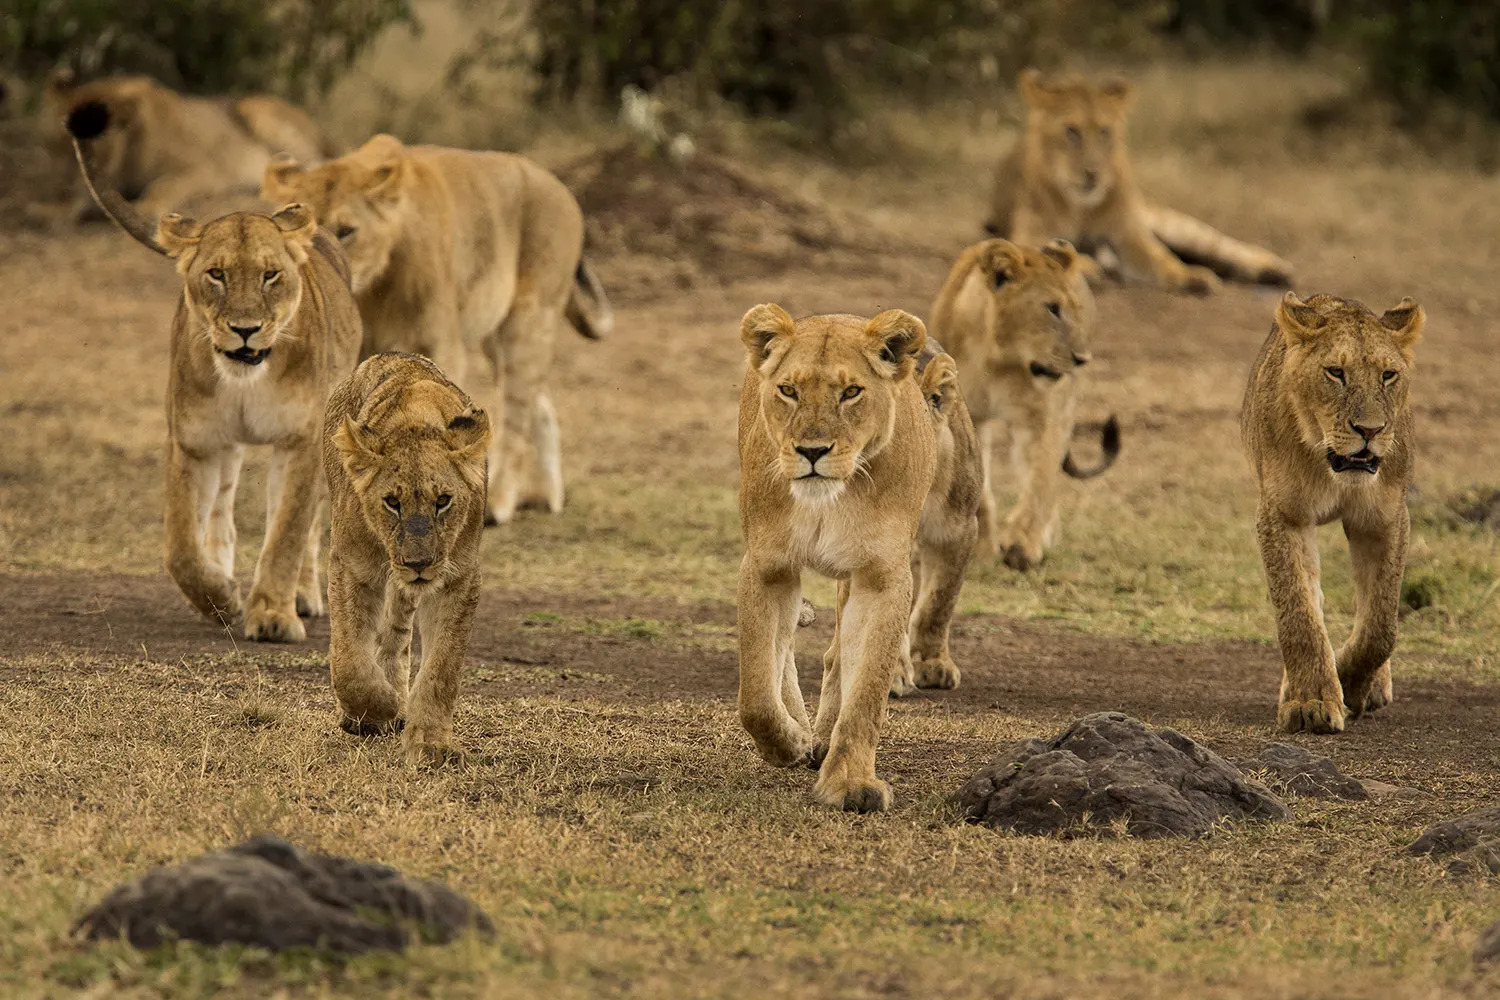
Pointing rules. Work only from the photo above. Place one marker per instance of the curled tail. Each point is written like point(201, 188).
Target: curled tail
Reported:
point(85, 123)
point(1109, 444)
point(588, 308)
point(1196, 242)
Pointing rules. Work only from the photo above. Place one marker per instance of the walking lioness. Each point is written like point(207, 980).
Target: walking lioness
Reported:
point(839, 449)
point(1069, 177)
point(1328, 426)
point(404, 449)
point(265, 324)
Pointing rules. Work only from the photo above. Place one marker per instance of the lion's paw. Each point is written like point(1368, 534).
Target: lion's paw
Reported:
point(939, 672)
point(1198, 280)
point(903, 680)
point(862, 795)
point(1320, 715)
point(365, 726)
point(310, 603)
point(425, 745)
point(780, 743)
point(263, 624)
point(1022, 557)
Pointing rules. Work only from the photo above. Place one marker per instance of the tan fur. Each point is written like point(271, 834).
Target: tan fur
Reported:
point(164, 149)
point(1330, 374)
point(846, 385)
point(472, 259)
point(1018, 322)
point(404, 450)
point(1069, 177)
point(284, 284)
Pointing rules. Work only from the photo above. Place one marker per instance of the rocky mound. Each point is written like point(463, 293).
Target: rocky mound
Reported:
point(1470, 842)
point(1302, 773)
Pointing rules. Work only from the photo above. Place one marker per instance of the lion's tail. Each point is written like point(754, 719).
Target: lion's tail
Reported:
point(1196, 242)
point(1109, 444)
point(85, 123)
point(588, 308)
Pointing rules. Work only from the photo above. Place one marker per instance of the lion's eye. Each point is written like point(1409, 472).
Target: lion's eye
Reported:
point(444, 501)
point(852, 393)
point(270, 277)
point(392, 503)
point(216, 274)
point(1055, 308)
point(343, 232)
point(788, 390)
point(1075, 137)
point(1334, 372)
point(1105, 132)
point(1388, 376)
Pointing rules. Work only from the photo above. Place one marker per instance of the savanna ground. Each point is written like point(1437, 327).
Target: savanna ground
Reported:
point(612, 816)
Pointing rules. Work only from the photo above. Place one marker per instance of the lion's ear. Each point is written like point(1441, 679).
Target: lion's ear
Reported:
point(359, 449)
point(1061, 251)
point(1298, 320)
point(281, 173)
point(1118, 94)
point(177, 235)
point(1405, 320)
point(1033, 86)
point(894, 338)
point(298, 226)
point(940, 382)
point(762, 327)
point(468, 437)
point(1002, 260)
point(387, 157)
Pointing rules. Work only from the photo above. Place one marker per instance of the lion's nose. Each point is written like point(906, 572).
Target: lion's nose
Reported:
point(1365, 431)
point(418, 564)
point(1090, 178)
point(813, 452)
point(247, 330)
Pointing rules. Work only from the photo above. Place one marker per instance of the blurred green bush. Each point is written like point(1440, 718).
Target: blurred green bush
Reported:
point(291, 47)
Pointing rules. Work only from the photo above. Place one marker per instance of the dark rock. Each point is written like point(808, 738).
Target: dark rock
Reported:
point(1109, 767)
point(270, 893)
point(1303, 773)
point(1471, 842)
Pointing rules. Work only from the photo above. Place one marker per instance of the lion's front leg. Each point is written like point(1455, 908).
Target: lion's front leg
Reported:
point(1143, 256)
point(444, 620)
point(1039, 442)
point(192, 483)
point(271, 612)
point(989, 517)
point(309, 589)
point(873, 633)
point(368, 702)
point(1311, 696)
point(831, 693)
point(769, 600)
point(1378, 553)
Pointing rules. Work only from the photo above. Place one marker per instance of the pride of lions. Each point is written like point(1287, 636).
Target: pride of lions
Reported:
point(865, 443)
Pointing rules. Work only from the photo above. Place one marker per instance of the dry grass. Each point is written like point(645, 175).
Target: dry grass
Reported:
point(640, 849)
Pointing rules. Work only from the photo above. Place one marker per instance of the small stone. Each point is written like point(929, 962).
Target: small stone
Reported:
point(1302, 773)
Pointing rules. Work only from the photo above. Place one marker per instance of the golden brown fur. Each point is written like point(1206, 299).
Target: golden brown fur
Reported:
point(1018, 322)
point(1069, 177)
point(404, 450)
point(474, 260)
point(1327, 424)
point(164, 149)
point(265, 324)
point(839, 450)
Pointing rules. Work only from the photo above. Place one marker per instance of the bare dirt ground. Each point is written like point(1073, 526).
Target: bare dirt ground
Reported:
point(612, 817)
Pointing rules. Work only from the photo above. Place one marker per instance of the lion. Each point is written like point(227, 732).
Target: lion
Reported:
point(163, 149)
point(266, 322)
point(1327, 424)
point(1018, 322)
point(839, 459)
point(471, 259)
point(405, 454)
point(1069, 177)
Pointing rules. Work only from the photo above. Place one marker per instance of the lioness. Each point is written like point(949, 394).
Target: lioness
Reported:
point(1069, 177)
point(162, 149)
point(1018, 322)
point(404, 449)
point(839, 452)
point(265, 324)
point(472, 259)
point(1327, 424)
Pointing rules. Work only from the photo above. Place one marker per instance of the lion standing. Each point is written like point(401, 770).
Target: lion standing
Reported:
point(1327, 424)
point(404, 450)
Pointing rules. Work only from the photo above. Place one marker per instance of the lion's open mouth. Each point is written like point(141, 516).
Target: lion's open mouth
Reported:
point(1363, 460)
point(1040, 370)
point(248, 355)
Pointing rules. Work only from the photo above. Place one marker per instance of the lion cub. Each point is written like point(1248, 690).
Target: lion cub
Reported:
point(1327, 424)
point(265, 324)
point(839, 455)
point(1069, 177)
point(404, 450)
point(1018, 323)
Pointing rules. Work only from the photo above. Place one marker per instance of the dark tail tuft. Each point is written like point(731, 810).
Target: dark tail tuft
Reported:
point(1109, 444)
point(88, 120)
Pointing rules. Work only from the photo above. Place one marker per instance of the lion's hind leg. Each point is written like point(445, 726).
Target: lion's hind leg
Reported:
point(1196, 242)
point(945, 552)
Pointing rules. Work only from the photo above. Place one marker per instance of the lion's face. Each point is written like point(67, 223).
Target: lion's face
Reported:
point(1043, 312)
point(242, 280)
point(828, 390)
point(1348, 371)
point(360, 198)
point(1076, 129)
point(419, 484)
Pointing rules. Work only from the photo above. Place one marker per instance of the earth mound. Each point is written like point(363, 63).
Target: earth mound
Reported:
point(1302, 773)
point(1470, 842)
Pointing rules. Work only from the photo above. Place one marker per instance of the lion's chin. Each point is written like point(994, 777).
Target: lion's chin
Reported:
point(817, 491)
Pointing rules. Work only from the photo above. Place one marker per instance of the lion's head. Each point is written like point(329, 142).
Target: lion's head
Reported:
point(1075, 133)
point(828, 390)
point(1040, 312)
point(241, 278)
point(359, 197)
point(420, 477)
point(1346, 375)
